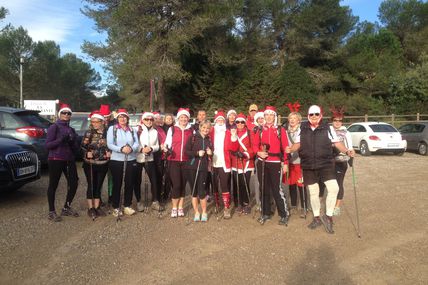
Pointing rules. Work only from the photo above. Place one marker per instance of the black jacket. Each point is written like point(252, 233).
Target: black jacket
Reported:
point(196, 143)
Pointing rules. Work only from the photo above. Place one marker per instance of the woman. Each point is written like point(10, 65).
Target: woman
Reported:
point(61, 142)
point(149, 144)
point(199, 151)
point(176, 139)
point(220, 138)
point(122, 140)
point(231, 116)
point(242, 164)
point(259, 121)
point(341, 159)
point(168, 122)
point(295, 177)
point(95, 162)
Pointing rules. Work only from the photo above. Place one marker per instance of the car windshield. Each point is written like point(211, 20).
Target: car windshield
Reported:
point(34, 119)
point(383, 128)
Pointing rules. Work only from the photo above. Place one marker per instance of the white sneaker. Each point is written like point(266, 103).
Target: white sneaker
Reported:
point(128, 211)
point(174, 213)
point(140, 207)
point(117, 212)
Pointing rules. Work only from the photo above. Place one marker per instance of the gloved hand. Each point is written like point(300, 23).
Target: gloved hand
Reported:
point(351, 161)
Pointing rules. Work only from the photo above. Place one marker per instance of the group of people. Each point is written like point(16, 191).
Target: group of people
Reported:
point(216, 159)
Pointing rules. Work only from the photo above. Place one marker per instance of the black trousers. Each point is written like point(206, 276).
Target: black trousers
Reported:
point(150, 168)
point(340, 169)
point(56, 168)
point(99, 172)
point(220, 179)
point(270, 187)
point(293, 195)
point(116, 168)
point(178, 179)
point(162, 175)
point(239, 187)
point(200, 189)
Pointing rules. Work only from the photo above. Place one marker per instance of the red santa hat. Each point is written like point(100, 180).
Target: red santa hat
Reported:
point(156, 114)
point(219, 114)
point(231, 112)
point(241, 117)
point(105, 110)
point(271, 110)
point(147, 115)
point(64, 107)
point(96, 115)
point(122, 112)
point(183, 111)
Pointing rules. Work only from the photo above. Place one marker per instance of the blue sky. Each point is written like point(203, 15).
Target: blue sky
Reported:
point(62, 22)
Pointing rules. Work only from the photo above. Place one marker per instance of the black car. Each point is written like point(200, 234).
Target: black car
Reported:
point(416, 135)
point(19, 164)
point(27, 126)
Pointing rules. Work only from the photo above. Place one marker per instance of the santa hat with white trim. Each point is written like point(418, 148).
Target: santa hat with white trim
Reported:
point(64, 107)
point(231, 112)
point(258, 115)
point(271, 110)
point(96, 115)
point(183, 111)
point(241, 117)
point(219, 114)
point(122, 112)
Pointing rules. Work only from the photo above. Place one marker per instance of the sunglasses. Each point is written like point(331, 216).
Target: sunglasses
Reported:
point(149, 119)
point(314, 114)
point(66, 113)
point(240, 122)
point(337, 120)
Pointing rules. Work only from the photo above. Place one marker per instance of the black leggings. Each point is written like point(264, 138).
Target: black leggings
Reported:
point(293, 195)
point(56, 167)
point(150, 168)
point(178, 179)
point(116, 168)
point(222, 179)
point(240, 186)
point(164, 183)
point(99, 172)
point(201, 182)
point(271, 187)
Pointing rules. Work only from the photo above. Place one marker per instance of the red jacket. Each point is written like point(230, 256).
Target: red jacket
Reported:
point(269, 136)
point(226, 148)
point(243, 144)
point(177, 142)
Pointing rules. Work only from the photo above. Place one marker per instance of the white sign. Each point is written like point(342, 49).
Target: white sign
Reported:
point(46, 107)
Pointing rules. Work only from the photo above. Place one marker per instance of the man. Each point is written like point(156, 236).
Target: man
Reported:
point(250, 118)
point(314, 144)
point(200, 117)
point(269, 144)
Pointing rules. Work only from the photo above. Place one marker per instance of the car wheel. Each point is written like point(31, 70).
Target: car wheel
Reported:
point(364, 148)
point(422, 149)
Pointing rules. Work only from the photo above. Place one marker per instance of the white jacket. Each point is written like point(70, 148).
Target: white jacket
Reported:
point(147, 138)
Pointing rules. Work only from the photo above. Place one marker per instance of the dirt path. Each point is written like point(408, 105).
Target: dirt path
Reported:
point(145, 250)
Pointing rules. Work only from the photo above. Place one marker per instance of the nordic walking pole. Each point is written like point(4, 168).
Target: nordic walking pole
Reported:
point(120, 190)
point(193, 191)
point(237, 186)
point(247, 190)
point(92, 188)
point(146, 189)
point(262, 188)
point(304, 199)
point(355, 195)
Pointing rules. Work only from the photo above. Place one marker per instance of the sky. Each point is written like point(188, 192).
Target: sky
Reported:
point(63, 22)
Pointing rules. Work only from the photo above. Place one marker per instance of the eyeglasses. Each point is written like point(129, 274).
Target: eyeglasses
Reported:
point(149, 120)
point(66, 113)
point(240, 122)
point(314, 114)
point(337, 120)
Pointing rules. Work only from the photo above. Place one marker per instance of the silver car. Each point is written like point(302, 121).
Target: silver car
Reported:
point(416, 135)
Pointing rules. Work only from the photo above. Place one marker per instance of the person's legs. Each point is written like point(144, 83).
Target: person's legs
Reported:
point(55, 170)
point(332, 190)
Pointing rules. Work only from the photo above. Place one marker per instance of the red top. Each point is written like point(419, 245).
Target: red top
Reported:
point(269, 136)
point(243, 144)
point(178, 142)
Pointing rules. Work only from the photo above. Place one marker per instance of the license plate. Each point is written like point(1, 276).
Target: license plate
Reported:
point(25, 170)
point(393, 145)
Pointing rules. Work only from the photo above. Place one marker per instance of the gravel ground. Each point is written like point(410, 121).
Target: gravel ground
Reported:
point(143, 249)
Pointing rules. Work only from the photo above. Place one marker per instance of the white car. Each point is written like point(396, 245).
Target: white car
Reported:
point(368, 137)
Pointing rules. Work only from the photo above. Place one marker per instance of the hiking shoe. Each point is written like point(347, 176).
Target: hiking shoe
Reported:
point(302, 214)
point(68, 211)
point(283, 221)
point(100, 212)
point(204, 217)
point(263, 219)
point(140, 207)
point(117, 212)
point(181, 212)
point(328, 224)
point(316, 222)
point(174, 213)
point(336, 211)
point(92, 213)
point(226, 214)
point(52, 216)
point(239, 209)
point(155, 206)
point(246, 210)
point(128, 211)
point(197, 217)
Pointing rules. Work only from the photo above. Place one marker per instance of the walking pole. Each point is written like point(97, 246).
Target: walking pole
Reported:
point(355, 195)
point(193, 192)
point(261, 220)
point(237, 186)
point(163, 186)
point(146, 189)
point(120, 190)
point(92, 190)
point(305, 210)
point(247, 190)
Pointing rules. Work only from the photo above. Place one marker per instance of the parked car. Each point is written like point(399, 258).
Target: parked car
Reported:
point(19, 164)
point(27, 126)
point(416, 135)
point(368, 137)
point(80, 123)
